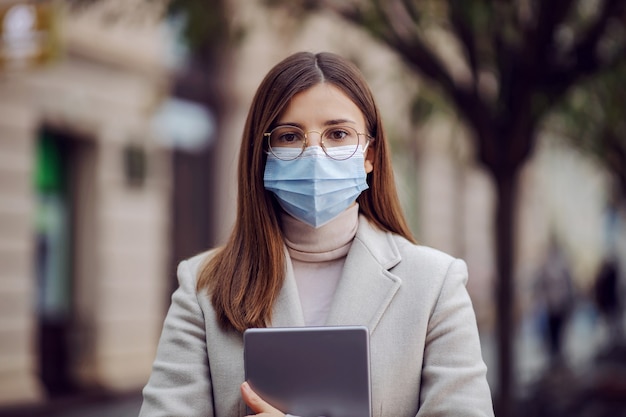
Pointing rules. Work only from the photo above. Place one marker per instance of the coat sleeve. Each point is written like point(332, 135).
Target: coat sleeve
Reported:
point(454, 378)
point(180, 383)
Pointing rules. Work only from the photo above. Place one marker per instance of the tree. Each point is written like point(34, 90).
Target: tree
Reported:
point(517, 58)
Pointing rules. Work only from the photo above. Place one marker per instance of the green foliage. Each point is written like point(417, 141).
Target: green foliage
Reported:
point(591, 118)
point(206, 23)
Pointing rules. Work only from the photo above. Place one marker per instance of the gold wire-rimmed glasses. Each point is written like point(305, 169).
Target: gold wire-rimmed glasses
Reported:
point(288, 142)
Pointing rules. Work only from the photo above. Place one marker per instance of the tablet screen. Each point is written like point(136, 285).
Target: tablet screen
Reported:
point(311, 371)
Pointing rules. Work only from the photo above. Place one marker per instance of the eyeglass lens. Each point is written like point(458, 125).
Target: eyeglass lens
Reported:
point(295, 138)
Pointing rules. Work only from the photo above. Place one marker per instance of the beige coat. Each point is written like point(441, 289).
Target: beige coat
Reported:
point(425, 351)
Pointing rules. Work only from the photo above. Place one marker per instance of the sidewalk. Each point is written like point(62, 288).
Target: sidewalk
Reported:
point(584, 336)
point(589, 381)
point(96, 405)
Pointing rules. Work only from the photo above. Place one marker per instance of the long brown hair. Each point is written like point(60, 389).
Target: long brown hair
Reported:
point(246, 275)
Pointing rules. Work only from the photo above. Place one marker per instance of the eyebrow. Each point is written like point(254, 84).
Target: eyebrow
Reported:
point(332, 122)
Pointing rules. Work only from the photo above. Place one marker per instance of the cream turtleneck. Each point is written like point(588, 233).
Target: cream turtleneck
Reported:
point(317, 256)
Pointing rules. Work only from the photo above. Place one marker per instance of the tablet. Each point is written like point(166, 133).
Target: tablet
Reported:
point(311, 371)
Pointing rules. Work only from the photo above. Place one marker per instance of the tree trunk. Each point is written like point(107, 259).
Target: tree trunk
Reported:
point(506, 194)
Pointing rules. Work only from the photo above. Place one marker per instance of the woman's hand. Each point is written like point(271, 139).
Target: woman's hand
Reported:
point(256, 403)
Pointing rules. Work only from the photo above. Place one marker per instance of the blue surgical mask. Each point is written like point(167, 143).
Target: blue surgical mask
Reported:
point(315, 188)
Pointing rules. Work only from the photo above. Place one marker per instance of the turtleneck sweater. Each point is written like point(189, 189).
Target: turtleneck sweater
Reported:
point(317, 257)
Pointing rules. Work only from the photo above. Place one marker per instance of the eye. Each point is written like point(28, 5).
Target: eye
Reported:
point(289, 136)
point(340, 134)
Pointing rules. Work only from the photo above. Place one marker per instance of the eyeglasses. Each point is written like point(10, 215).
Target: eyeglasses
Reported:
point(289, 142)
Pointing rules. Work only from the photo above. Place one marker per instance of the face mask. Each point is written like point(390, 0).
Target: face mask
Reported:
point(315, 188)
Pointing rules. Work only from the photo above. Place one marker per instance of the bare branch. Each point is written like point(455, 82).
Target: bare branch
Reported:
point(400, 37)
point(399, 31)
point(459, 20)
point(398, 18)
point(584, 51)
point(583, 58)
point(551, 15)
point(410, 7)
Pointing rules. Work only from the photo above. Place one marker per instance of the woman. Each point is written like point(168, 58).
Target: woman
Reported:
point(320, 239)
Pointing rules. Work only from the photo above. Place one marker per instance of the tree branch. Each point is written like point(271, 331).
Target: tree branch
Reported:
point(582, 60)
point(550, 16)
point(410, 47)
point(411, 10)
point(391, 26)
point(459, 21)
point(423, 59)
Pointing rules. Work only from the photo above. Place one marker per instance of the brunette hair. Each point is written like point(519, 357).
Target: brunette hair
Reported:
point(245, 277)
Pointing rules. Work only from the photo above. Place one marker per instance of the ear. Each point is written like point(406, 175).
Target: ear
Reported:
point(369, 160)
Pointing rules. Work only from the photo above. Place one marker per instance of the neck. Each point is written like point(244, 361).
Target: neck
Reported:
point(325, 243)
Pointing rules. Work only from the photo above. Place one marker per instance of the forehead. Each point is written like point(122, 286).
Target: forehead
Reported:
point(319, 104)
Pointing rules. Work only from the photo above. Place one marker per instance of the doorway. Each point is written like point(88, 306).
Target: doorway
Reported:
point(57, 208)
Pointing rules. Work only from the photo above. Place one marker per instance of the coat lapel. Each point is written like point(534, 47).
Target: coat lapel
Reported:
point(287, 309)
point(366, 287)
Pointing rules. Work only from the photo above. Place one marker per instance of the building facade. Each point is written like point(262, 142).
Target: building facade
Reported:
point(84, 204)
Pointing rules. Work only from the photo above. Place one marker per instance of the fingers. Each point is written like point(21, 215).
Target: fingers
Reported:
point(256, 403)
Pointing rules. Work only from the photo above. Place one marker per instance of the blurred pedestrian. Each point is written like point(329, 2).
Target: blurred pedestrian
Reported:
point(555, 293)
point(607, 297)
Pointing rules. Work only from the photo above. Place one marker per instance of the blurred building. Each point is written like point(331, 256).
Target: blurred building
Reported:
point(84, 198)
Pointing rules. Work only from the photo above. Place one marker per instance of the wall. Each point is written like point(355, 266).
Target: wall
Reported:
point(102, 94)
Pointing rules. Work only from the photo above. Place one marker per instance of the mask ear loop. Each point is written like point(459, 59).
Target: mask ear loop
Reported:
point(369, 140)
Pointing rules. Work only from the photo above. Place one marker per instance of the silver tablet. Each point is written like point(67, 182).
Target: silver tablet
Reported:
point(311, 371)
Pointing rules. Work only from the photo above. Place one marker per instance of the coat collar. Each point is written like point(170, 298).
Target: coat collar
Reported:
point(366, 287)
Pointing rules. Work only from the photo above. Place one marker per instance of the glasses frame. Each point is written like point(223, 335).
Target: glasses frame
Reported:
point(305, 143)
